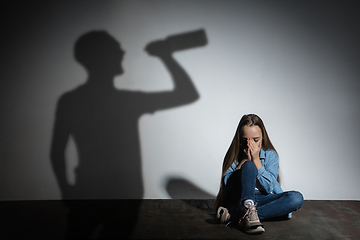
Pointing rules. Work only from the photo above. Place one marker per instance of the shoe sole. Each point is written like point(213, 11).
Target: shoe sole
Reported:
point(257, 230)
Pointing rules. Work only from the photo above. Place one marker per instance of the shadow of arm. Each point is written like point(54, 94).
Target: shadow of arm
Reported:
point(184, 90)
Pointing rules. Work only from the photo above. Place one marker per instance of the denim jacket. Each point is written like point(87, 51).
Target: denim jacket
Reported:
point(266, 180)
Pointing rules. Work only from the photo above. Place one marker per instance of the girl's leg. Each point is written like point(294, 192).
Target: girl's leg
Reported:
point(243, 188)
point(241, 185)
point(278, 205)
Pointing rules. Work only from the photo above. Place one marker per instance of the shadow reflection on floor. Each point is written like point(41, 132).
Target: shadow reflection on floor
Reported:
point(188, 192)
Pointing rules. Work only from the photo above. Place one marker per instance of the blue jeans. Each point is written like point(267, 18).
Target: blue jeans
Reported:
point(241, 186)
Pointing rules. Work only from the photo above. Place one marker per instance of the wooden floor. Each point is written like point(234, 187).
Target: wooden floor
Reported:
point(167, 219)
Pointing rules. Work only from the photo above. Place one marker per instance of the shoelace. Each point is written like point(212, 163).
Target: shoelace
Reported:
point(249, 213)
point(246, 214)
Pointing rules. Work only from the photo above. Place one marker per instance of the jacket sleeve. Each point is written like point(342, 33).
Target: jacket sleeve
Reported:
point(229, 171)
point(268, 173)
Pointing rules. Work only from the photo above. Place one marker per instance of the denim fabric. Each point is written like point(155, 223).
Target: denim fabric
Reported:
point(266, 179)
point(241, 186)
point(278, 205)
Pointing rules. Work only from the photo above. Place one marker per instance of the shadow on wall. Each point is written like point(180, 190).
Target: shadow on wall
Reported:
point(179, 188)
point(103, 121)
point(188, 192)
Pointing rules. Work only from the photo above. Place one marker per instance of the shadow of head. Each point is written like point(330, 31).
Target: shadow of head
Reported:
point(99, 52)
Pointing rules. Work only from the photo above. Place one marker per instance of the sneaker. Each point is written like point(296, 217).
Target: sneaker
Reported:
point(251, 221)
point(223, 215)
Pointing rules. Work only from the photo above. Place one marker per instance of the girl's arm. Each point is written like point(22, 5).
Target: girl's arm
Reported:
point(267, 174)
point(230, 170)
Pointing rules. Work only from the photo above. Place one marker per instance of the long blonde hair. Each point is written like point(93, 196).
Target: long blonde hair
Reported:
point(233, 153)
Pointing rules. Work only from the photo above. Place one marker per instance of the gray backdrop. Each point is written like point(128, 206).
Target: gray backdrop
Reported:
point(294, 63)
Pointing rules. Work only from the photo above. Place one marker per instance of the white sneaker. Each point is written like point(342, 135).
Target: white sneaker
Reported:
point(251, 222)
point(223, 215)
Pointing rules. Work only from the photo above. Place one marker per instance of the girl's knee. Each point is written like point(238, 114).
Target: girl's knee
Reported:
point(296, 198)
point(249, 164)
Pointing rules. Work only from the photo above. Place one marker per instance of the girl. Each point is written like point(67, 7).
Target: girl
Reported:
point(249, 179)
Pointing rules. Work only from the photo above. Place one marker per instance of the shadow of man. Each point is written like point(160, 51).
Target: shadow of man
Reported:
point(103, 121)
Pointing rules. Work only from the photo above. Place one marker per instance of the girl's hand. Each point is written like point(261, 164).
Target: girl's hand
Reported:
point(253, 149)
point(247, 153)
point(241, 163)
point(252, 153)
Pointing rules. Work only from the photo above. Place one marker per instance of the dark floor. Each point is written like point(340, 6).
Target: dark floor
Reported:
point(167, 219)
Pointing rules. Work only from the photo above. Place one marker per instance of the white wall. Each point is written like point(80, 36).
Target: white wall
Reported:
point(295, 64)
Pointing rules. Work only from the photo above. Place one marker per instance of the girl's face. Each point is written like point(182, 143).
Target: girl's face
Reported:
point(251, 133)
